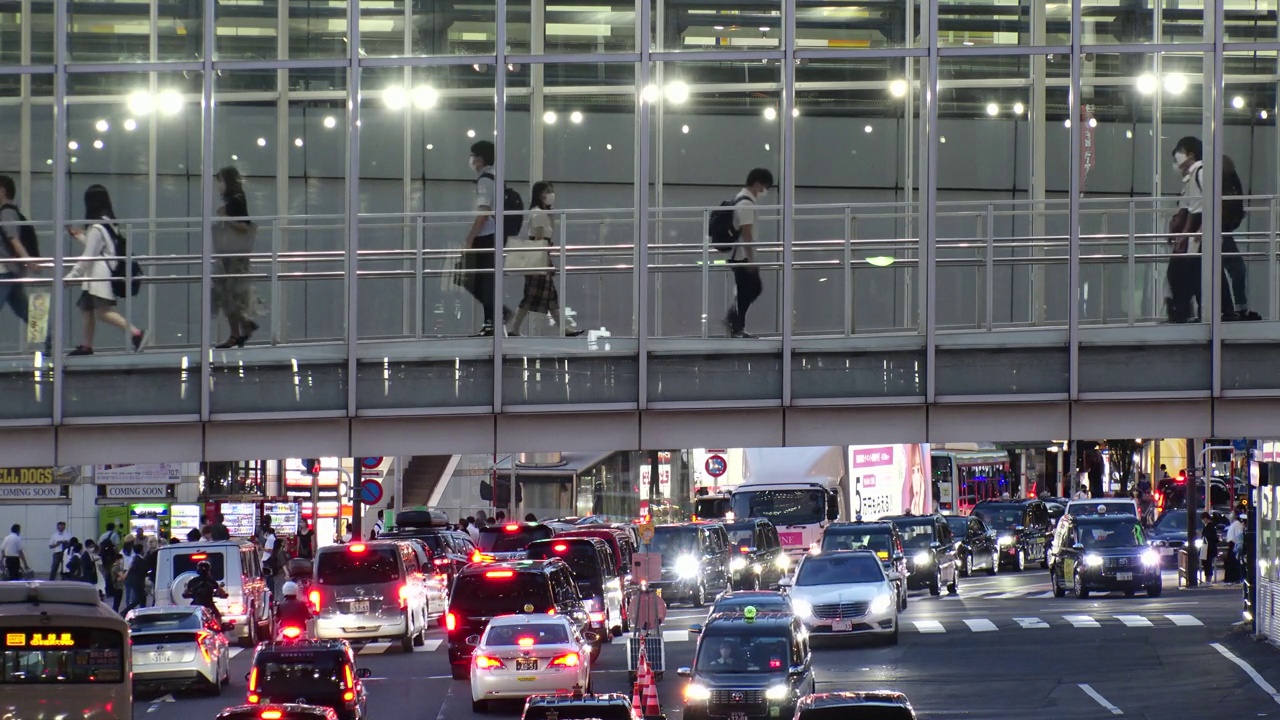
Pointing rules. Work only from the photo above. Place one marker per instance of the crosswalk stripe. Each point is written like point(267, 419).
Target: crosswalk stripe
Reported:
point(235, 651)
point(1185, 620)
point(981, 625)
point(1031, 623)
point(1081, 621)
point(675, 636)
point(375, 648)
point(430, 645)
point(929, 626)
point(1007, 595)
point(1042, 596)
point(1134, 620)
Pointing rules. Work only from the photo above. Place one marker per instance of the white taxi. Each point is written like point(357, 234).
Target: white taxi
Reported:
point(523, 655)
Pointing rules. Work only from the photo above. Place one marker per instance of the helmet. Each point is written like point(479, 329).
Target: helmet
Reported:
point(203, 567)
point(290, 589)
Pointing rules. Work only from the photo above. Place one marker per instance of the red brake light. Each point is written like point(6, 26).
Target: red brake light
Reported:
point(357, 548)
point(271, 715)
point(450, 622)
point(597, 617)
point(314, 597)
point(525, 642)
point(570, 660)
point(513, 527)
point(440, 561)
point(500, 574)
point(202, 639)
point(200, 556)
point(775, 663)
point(560, 547)
point(479, 557)
point(404, 596)
point(349, 695)
point(743, 549)
point(484, 662)
point(292, 632)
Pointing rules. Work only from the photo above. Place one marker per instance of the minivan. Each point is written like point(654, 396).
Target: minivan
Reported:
point(592, 564)
point(237, 567)
point(370, 590)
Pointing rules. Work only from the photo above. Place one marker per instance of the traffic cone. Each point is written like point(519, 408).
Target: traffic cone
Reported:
point(642, 667)
point(651, 707)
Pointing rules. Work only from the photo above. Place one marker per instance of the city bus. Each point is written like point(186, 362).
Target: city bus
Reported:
point(962, 479)
point(66, 654)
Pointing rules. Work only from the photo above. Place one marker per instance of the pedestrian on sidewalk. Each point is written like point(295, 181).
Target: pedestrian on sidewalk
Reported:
point(15, 560)
point(1209, 548)
point(59, 543)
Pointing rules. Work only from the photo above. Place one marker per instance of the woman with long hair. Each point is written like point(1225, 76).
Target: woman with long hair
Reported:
point(103, 245)
point(540, 294)
point(232, 234)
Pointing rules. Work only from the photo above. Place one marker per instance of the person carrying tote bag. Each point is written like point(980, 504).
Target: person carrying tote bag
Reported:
point(540, 294)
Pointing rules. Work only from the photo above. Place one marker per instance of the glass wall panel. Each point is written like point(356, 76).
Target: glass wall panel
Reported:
point(110, 32)
point(133, 154)
point(712, 125)
point(282, 29)
point(537, 26)
point(842, 24)
point(680, 25)
point(26, 34)
point(26, 159)
point(282, 283)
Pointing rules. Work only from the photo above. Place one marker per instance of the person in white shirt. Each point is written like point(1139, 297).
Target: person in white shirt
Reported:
point(1235, 534)
point(1081, 494)
point(484, 231)
point(102, 243)
point(1185, 232)
point(269, 556)
point(15, 560)
point(746, 279)
point(59, 541)
point(110, 536)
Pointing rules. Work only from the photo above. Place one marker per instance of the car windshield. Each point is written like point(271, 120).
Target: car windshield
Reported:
point(527, 635)
point(312, 673)
point(1122, 507)
point(739, 654)
point(1001, 518)
point(347, 567)
point(495, 593)
point(762, 603)
point(864, 712)
point(742, 535)
point(959, 526)
point(1110, 535)
point(915, 533)
point(783, 507)
point(1175, 520)
point(512, 538)
point(672, 542)
point(156, 622)
point(838, 570)
point(710, 508)
point(878, 540)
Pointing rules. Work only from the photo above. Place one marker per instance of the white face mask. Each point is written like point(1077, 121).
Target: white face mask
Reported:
point(471, 164)
point(549, 199)
point(763, 194)
point(1179, 158)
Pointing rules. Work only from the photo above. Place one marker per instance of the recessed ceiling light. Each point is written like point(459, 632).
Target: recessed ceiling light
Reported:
point(330, 122)
point(993, 109)
point(1237, 102)
point(297, 142)
point(1018, 108)
point(262, 142)
point(770, 113)
point(684, 129)
point(130, 124)
point(867, 129)
point(73, 145)
point(575, 117)
point(898, 88)
point(97, 144)
point(102, 126)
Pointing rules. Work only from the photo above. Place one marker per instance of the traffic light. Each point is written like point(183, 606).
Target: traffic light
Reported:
point(311, 466)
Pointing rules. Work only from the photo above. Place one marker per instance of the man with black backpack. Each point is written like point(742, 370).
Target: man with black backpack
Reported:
point(732, 230)
point(18, 245)
point(483, 233)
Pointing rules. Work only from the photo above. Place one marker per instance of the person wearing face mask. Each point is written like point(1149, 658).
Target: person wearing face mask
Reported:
point(1184, 230)
point(483, 232)
point(540, 294)
point(746, 278)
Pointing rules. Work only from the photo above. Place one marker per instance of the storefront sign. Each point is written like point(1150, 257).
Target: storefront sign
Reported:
point(26, 476)
point(157, 474)
point(32, 492)
point(138, 492)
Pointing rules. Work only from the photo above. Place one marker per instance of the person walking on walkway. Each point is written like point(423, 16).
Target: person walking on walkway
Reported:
point(746, 274)
point(233, 238)
point(102, 250)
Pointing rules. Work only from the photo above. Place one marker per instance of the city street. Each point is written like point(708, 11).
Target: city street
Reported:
point(1004, 648)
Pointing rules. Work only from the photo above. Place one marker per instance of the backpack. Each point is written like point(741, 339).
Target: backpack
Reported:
point(1232, 207)
point(26, 233)
point(118, 277)
point(720, 227)
point(88, 569)
point(512, 208)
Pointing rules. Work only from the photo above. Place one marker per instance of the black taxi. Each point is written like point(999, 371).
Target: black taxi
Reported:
point(309, 672)
point(756, 558)
point(281, 711)
point(748, 665)
point(1103, 552)
point(579, 705)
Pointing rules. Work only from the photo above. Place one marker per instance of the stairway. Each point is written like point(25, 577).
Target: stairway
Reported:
point(421, 475)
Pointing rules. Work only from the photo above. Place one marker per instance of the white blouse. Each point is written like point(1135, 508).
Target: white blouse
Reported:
point(95, 268)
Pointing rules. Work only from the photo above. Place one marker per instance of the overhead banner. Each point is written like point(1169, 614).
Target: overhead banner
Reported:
point(26, 476)
point(152, 474)
point(890, 480)
point(23, 493)
point(138, 492)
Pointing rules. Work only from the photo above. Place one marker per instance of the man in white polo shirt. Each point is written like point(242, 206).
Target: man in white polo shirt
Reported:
point(746, 274)
point(15, 560)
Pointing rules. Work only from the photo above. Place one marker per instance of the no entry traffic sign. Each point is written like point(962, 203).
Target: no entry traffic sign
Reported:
point(716, 466)
point(370, 492)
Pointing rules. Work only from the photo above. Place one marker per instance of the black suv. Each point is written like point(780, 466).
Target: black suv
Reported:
point(881, 537)
point(976, 546)
point(578, 706)
point(1104, 553)
point(451, 550)
point(695, 562)
point(931, 552)
point(755, 554)
point(749, 666)
point(309, 672)
point(485, 591)
point(1023, 530)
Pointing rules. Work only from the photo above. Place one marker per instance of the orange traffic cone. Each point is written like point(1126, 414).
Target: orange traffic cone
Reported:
point(651, 707)
point(642, 680)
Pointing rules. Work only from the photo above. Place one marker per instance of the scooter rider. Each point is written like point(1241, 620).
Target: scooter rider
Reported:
point(292, 611)
point(203, 588)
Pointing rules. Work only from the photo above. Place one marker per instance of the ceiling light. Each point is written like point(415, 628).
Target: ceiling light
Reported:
point(795, 112)
point(1018, 108)
point(650, 93)
point(73, 145)
point(395, 98)
point(677, 92)
point(880, 261)
point(471, 133)
point(130, 124)
point(169, 102)
point(102, 126)
point(867, 129)
point(717, 27)
point(97, 145)
point(262, 142)
point(549, 117)
point(764, 29)
point(1237, 102)
point(608, 146)
point(140, 102)
point(766, 147)
point(330, 122)
point(1093, 122)
point(235, 157)
point(1175, 83)
point(684, 129)
point(942, 140)
point(1146, 83)
point(770, 114)
point(898, 88)
point(424, 97)
point(1066, 123)
point(1128, 134)
point(430, 146)
point(1262, 114)
point(993, 109)
point(575, 117)
point(297, 142)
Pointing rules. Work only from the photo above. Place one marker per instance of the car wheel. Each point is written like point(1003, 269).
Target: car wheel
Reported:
point(214, 687)
point(700, 595)
point(966, 562)
point(1155, 589)
point(1078, 588)
point(250, 638)
point(1058, 589)
point(935, 586)
point(995, 563)
point(595, 652)
point(954, 586)
point(480, 707)
point(1020, 563)
point(459, 672)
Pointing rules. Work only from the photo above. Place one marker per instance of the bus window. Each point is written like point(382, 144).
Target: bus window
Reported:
point(62, 655)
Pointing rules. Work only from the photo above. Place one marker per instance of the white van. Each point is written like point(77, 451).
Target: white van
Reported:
point(234, 564)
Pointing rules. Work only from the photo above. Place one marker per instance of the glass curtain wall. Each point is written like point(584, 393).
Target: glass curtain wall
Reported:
point(963, 201)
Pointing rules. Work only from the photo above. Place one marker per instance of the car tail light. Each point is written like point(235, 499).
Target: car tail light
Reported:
point(569, 660)
point(202, 639)
point(349, 695)
point(253, 683)
point(253, 698)
point(744, 549)
point(348, 684)
point(484, 662)
point(560, 547)
point(357, 548)
point(525, 642)
point(235, 608)
point(513, 527)
point(293, 632)
point(501, 574)
point(450, 622)
point(271, 715)
point(404, 596)
point(440, 561)
point(200, 556)
point(314, 597)
point(597, 617)
point(479, 557)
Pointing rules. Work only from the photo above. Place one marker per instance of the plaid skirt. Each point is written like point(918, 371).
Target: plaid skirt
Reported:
point(540, 293)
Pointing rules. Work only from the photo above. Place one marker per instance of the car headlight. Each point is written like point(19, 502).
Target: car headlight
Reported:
point(696, 692)
point(756, 568)
point(923, 558)
point(784, 561)
point(802, 608)
point(1151, 557)
point(1006, 540)
point(880, 604)
point(1092, 560)
point(777, 692)
point(737, 564)
point(687, 566)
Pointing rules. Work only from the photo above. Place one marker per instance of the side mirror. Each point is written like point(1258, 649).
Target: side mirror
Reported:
point(785, 582)
point(684, 672)
point(795, 670)
point(363, 673)
point(473, 639)
point(1078, 546)
point(591, 637)
point(695, 629)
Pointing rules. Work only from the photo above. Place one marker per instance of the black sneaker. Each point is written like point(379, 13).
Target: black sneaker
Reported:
point(1249, 315)
point(742, 334)
point(80, 351)
point(139, 341)
point(486, 331)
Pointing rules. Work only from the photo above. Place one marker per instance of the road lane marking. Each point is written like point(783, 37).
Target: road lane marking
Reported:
point(1081, 621)
point(1248, 670)
point(1006, 596)
point(429, 645)
point(1134, 620)
point(981, 625)
point(929, 626)
point(375, 648)
point(1031, 623)
point(675, 636)
point(234, 651)
point(1041, 596)
point(1101, 700)
point(1185, 620)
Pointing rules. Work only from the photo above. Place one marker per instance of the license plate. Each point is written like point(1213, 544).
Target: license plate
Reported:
point(161, 657)
point(529, 664)
point(1124, 576)
point(359, 607)
point(1166, 551)
point(738, 716)
point(842, 625)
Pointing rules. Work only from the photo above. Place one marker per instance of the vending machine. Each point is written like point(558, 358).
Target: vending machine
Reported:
point(241, 519)
point(152, 518)
point(285, 519)
point(118, 515)
point(183, 518)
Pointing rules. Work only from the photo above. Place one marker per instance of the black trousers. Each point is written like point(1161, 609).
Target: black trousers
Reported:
point(749, 286)
point(1184, 282)
point(13, 567)
point(484, 282)
point(1235, 295)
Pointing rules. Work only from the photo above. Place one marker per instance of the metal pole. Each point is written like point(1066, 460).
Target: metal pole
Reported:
point(1193, 574)
point(357, 510)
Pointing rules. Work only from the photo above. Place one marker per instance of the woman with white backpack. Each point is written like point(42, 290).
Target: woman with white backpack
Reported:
point(102, 245)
